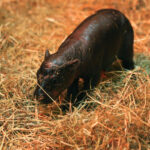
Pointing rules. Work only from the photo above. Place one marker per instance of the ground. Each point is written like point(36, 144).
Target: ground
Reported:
point(116, 114)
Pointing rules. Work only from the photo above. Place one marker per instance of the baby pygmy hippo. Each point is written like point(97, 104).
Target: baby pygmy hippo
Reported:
point(91, 48)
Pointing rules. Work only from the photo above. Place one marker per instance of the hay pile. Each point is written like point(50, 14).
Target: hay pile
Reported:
point(118, 116)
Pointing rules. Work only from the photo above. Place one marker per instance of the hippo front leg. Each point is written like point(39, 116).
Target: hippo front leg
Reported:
point(72, 91)
point(86, 86)
point(89, 83)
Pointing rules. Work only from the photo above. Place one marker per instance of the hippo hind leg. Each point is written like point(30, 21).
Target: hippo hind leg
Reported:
point(126, 50)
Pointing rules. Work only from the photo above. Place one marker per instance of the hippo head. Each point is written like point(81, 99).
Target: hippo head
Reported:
point(53, 78)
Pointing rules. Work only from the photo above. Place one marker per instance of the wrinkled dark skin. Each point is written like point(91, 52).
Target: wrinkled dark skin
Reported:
point(89, 49)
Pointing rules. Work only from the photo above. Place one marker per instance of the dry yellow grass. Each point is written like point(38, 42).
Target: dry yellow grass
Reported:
point(117, 114)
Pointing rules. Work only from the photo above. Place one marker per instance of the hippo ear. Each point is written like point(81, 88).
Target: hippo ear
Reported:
point(47, 54)
point(70, 66)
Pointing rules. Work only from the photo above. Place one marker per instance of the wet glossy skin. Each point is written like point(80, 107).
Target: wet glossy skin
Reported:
point(88, 50)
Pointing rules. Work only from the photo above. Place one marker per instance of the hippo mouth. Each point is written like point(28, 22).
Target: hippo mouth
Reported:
point(45, 97)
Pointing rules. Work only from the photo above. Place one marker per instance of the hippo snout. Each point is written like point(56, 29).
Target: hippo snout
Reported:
point(41, 97)
point(44, 98)
point(38, 94)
